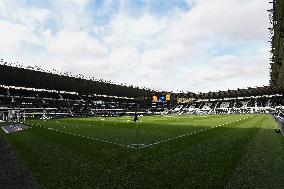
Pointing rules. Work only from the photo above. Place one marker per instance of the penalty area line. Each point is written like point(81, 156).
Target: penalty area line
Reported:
point(195, 132)
point(86, 137)
point(148, 145)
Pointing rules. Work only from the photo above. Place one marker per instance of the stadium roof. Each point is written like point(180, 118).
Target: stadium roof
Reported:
point(277, 36)
point(22, 77)
point(257, 91)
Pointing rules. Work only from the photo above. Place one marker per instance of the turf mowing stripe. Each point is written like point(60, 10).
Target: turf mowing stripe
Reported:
point(260, 166)
point(82, 136)
point(195, 132)
point(277, 125)
point(134, 146)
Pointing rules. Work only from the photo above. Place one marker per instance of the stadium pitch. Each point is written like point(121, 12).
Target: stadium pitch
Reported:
point(213, 151)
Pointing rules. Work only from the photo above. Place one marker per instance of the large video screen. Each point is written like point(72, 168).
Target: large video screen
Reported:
point(168, 97)
point(162, 98)
point(155, 98)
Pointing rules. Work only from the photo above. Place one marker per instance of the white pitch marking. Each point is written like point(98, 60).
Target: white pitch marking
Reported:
point(105, 141)
point(184, 135)
point(144, 145)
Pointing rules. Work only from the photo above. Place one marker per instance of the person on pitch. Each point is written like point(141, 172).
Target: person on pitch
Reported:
point(135, 117)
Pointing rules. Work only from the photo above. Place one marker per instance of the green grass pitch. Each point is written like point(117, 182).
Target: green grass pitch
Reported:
point(210, 151)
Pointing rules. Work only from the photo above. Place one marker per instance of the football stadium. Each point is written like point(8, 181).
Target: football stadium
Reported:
point(62, 130)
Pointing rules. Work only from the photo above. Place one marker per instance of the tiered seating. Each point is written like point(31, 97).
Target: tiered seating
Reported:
point(224, 105)
point(178, 108)
point(251, 103)
point(69, 96)
point(48, 95)
point(238, 104)
point(262, 102)
point(109, 103)
point(26, 98)
point(231, 103)
point(207, 106)
point(277, 101)
point(244, 104)
point(3, 91)
point(258, 104)
point(22, 93)
point(64, 103)
point(25, 103)
point(5, 101)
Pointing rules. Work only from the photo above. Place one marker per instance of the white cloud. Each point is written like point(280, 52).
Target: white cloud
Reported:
point(11, 35)
point(169, 52)
point(76, 46)
point(16, 13)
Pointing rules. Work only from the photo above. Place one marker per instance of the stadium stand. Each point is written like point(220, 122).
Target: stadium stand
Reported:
point(22, 95)
point(251, 100)
point(35, 92)
point(28, 78)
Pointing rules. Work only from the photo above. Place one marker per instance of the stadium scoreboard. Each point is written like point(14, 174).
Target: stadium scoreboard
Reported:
point(161, 98)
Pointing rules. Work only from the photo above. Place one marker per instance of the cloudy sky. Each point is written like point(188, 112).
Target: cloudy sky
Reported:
point(174, 45)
